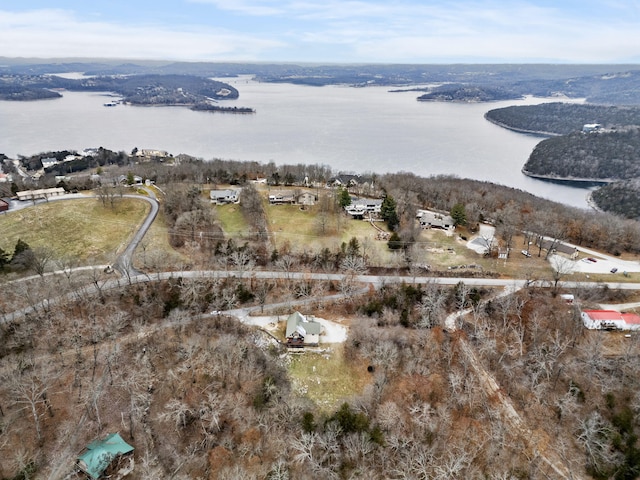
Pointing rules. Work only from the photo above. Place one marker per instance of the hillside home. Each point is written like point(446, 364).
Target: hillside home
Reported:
point(429, 219)
point(281, 198)
point(591, 127)
point(610, 320)
point(4, 205)
point(49, 162)
point(222, 197)
point(360, 207)
point(302, 331)
point(100, 455)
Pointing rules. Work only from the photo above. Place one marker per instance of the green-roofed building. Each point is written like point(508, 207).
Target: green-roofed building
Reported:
point(99, 454)
point(302, 331)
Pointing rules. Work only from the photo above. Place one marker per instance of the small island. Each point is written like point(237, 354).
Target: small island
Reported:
point(208, 107)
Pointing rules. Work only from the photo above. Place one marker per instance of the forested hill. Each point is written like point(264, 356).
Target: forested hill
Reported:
point(137, 89)
point(561, 118)
point(462, 93)
point(607, 155)
point(621, 198)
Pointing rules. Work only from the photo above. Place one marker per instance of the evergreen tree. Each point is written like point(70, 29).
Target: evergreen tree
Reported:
point(344, 199)
point(459, 214)
point(388, 212)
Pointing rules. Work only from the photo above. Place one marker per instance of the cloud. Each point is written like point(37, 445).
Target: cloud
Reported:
point(56, 33)
point(414, 31)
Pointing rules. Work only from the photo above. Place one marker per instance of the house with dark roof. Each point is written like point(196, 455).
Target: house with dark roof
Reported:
point(429, 219)
point(4, 205)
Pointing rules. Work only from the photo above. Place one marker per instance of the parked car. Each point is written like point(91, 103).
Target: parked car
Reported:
point(526, 253)
point(592, 260)
point(614, 270)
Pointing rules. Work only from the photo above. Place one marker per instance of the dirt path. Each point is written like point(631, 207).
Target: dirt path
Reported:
point(539, 446)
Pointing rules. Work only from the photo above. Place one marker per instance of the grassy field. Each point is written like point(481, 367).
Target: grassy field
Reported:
point(231, 219)
point(83, 229)
point(155, 252)
point(327, 378)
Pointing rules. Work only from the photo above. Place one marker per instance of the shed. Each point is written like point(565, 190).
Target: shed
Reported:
point(99, 454)
point(4, 205)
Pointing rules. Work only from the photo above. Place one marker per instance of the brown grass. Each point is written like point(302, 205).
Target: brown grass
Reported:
point(83, 229)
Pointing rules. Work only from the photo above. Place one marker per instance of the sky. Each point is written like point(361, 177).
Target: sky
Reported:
point(325, 31)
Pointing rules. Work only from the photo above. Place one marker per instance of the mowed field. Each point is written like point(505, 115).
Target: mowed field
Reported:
point(82, 229)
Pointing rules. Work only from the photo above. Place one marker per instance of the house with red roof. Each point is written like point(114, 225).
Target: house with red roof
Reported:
point(610, 320)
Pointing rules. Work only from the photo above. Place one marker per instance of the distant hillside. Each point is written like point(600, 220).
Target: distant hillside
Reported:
point(458, 93)
point(603, 84)
point(621, 198)
point(136, 89)
point(561, 118)
point(606, 156)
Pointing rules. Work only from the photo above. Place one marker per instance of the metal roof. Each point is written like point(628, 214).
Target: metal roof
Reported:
point(100, 453)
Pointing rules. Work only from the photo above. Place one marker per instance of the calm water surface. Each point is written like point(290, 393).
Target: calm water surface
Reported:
point(350, 129)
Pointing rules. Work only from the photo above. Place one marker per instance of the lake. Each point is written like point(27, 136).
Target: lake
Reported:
point(350, 129)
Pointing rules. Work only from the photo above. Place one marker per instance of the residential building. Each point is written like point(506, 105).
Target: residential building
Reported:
point(4, 205)
point(222, 197)
point(40, 194)
point(429, 219)
point(101, 454)
point(49, 162)
point(359, 207)
point(302, 331)
point(610, 320)
point(280, 198)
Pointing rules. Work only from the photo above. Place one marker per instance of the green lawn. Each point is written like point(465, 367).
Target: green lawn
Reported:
point(231, 219)
point(82, 229)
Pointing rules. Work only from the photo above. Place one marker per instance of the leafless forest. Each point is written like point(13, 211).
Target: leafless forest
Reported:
point(520, 390)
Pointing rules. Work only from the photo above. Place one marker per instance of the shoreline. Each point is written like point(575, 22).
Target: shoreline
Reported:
point(596, 182)
point(534, 133)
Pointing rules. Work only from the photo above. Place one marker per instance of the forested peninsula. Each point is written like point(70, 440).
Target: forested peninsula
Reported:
point(189, 90)
point(603, 156)
point(557, 118)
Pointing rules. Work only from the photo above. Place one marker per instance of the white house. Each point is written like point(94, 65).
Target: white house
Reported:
point(49, 162)
point(221, 197)
point(363, 206)
point(591, 127)
point(610, 320)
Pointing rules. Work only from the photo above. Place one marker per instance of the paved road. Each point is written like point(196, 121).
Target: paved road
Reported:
point(124, 262)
